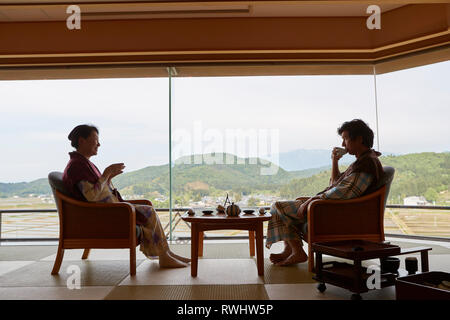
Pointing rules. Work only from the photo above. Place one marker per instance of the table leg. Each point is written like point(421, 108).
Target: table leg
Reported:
point(200, 243)
point(194, 249)
point(424, 261)
point(251, 243)
point(259, 249)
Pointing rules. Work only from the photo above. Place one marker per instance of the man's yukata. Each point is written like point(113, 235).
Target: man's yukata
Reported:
point(85, 182)
point(359, 177)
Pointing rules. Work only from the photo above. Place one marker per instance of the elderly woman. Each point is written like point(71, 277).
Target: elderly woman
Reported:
point(85, 182)
point(288, 217)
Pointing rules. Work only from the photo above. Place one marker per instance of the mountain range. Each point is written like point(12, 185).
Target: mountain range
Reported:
point(416, 174)
point(302, 159)
point(193, 173)
point(154, 175)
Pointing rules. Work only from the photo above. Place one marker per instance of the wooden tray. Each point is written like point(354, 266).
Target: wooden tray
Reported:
point(417, 287)
point(356, 249)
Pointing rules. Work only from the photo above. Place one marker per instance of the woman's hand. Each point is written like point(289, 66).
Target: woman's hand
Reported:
point(113, 170)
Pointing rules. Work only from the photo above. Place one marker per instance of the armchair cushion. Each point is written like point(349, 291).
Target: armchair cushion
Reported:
point(386, 179)
point(56, 182)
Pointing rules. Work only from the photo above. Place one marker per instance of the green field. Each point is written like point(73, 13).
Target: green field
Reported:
point(46, 225)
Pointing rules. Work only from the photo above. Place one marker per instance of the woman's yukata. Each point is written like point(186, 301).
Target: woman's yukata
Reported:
point(359, 177)
point(85, 182)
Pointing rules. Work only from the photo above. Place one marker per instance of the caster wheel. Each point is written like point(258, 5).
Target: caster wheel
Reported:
point(356, 297)
point(321, 287)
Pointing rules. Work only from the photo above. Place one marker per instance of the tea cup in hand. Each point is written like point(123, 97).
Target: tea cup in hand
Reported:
point(338, 152)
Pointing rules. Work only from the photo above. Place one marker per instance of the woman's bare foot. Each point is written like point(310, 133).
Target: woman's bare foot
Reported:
point(277, 257)
point(294, 258)
point(167, 261)
point(186, 260)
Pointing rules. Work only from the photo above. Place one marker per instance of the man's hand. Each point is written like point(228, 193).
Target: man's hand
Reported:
point(335, 156)
point(113, 170)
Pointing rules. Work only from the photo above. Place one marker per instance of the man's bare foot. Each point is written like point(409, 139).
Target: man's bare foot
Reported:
point(294, 258)
point(277, 257)
point(167, 261)
point(186, 260)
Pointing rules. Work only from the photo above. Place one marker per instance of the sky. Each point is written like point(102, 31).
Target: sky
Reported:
point(247, 116)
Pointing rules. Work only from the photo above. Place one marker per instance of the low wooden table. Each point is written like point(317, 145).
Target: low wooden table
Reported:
point(251, 222)
point(353, 276)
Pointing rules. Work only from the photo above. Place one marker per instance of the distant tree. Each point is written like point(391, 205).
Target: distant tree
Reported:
point(160, 204)
point(431, 195)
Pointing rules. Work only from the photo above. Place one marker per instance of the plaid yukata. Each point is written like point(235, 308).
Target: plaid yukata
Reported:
point(286, 224)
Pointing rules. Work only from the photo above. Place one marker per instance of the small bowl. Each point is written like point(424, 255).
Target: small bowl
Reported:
point(390, 264)
point(207, 212)
point(249, 211)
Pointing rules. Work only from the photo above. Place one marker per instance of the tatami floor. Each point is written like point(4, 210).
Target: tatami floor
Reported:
point(225, 272)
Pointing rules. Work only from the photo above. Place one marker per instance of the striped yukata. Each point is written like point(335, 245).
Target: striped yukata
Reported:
point(286, 224)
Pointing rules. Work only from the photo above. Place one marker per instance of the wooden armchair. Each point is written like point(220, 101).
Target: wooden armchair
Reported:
point(359, 218)
point(87, 225)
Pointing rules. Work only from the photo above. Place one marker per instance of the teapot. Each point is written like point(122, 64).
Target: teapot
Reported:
point(233, 210)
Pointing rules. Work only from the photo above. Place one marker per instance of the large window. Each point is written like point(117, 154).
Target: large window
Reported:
point(37, 116)
point(260, 139)
point(413, 107)
point(257, 139)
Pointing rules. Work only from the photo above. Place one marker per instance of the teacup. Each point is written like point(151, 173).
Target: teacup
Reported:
point(340, 151)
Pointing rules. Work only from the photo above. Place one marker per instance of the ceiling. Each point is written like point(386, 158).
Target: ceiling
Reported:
point(142, 38)
point(46, 10)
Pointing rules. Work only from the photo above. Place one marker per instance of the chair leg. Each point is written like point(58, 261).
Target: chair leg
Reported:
point(58, 260)
point(133, 261)
point(85, 254)
point(310, 258)
point(251, 242)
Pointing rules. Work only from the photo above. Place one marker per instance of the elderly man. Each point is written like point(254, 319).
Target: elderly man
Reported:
point(288, 216)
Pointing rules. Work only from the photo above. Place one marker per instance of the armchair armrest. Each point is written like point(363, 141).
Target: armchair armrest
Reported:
point(302, 198)
point(90, 220)
point(140, 201)
point(358, 216)
point(94, 205)
point(350, 202)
